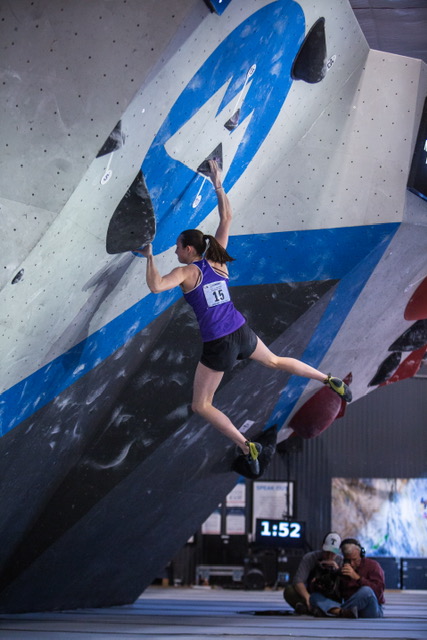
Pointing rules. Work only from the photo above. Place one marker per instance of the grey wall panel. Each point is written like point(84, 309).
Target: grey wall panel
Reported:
point(68, 71)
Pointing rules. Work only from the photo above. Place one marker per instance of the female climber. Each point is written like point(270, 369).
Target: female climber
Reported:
point(225, 334)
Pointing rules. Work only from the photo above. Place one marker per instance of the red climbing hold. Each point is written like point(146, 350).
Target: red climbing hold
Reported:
point(416, 309)
point(408, 367)
point(318, 413)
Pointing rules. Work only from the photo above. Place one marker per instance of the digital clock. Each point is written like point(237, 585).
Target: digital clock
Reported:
point(279, 533)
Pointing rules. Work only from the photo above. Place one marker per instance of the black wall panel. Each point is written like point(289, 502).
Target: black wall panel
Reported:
point(414, 573)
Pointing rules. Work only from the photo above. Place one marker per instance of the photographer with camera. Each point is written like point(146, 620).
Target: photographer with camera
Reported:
point(318, 571)
point(361, 586)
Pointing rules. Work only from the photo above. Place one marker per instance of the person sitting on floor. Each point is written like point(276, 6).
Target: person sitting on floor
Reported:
point(361, 587)
point(314, 571)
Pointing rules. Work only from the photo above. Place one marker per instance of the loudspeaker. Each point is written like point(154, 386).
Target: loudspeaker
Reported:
point(391, 568)
point(268, 565)
point(414, 573)
point(254, 580)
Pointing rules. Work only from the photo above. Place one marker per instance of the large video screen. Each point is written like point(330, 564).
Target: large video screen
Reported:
point(388, 516)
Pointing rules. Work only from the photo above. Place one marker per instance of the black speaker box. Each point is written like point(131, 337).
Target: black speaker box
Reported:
point(391, 568)
point(414, 573)
point(268, 565)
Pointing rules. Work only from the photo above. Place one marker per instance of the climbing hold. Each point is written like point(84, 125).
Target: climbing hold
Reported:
point(19, 276)
point(215, 155)
point(310, 62)
point(133, 224)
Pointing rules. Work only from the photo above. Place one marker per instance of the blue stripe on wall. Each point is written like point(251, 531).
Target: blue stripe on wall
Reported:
point(345, 295)
point(298, 256)
point(303, 256)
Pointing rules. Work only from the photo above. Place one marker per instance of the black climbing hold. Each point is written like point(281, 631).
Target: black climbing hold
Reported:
point(268, 440)
point(115, 141)
point(413, 338)
point(386, 369)
point(215, 155)
point(133, 224)
point(217, 6)
point(19, 276)
point(310, 62)
point(293, 444)
point(232, 123)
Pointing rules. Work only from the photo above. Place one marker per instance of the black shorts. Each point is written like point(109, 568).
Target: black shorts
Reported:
point(222, 353)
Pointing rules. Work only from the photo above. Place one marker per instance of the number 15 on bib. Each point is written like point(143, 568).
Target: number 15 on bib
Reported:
point(216, 293)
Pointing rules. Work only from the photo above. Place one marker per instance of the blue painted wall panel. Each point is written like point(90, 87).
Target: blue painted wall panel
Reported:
point(284, 257)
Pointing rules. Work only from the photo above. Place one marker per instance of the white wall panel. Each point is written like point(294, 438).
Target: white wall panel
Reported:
point(69, 70)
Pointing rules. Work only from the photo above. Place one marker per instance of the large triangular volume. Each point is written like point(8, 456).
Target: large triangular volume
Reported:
point(215, 155)
point(310, 62)
point(133, 224)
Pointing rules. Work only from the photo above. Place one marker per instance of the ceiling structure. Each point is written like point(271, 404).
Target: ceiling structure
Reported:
point(395, 26)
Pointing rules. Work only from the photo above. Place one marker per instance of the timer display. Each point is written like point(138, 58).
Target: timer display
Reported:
point(279, 533)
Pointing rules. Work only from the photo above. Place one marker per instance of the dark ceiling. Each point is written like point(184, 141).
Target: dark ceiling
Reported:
point(395, 26)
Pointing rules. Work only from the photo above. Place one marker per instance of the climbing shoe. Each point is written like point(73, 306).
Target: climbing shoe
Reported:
point(339, 387)
point(255, 449)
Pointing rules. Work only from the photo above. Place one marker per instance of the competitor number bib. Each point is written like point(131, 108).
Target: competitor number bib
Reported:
point(216, 293)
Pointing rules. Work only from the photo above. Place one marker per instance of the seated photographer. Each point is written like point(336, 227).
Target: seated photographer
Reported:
point(317, 570)
point(361, 587)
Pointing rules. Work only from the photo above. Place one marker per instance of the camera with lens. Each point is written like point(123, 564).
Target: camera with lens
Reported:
point(325, 580)
point(326, 566)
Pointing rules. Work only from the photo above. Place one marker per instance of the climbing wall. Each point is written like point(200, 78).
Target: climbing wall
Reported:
point(111, 112)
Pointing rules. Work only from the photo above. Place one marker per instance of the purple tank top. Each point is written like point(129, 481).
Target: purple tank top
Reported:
point(210, 299)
